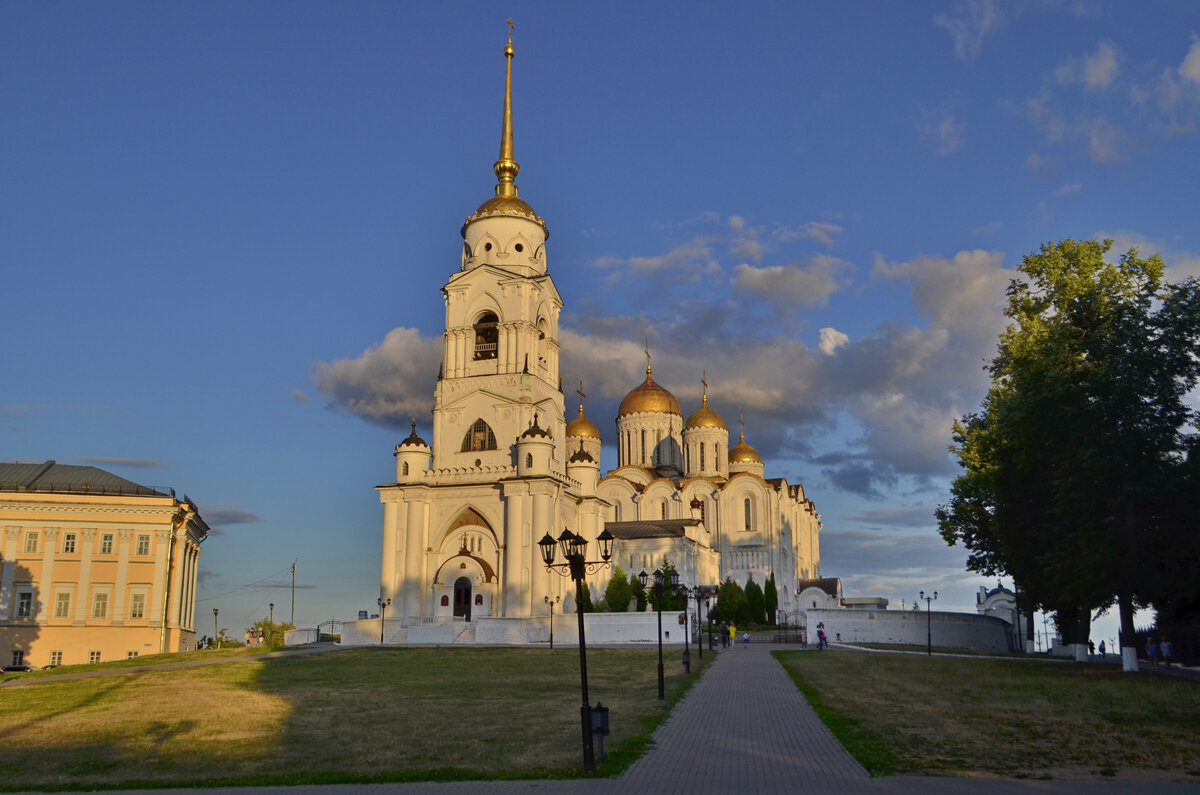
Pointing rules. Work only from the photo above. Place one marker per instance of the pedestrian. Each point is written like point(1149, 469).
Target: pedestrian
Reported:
point(732, 635)
point(1101, 648)
point(803, 639)
point(822, 642)
point(1166, 648)
point(1091, 647)
point(1152, 652)
point(745, 639)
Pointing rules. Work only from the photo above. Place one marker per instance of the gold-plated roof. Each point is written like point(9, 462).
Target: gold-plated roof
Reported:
point(649, 396)
point(581, 425)
point(743, 453)
point(705, 418)
point(506, 201)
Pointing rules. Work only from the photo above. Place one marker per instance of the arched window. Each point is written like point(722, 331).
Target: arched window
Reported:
point(701, 456)
point(664, 509)
point(529, 460)
point(657, 456)
point(479, 437)
point(404, 469)
point(487, 336)
point(643, 446)
point(747, 507)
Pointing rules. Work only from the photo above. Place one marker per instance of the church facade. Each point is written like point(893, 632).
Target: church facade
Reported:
point(463, 517)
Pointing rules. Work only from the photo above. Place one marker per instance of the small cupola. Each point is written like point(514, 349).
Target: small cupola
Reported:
point(413, 456)
point(535, 447)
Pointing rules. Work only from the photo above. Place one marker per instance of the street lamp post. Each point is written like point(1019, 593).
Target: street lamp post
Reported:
point(574, 550)
point(272, 618)
point(658, 581)
point(383, 606)
point(929, 620)
point(216, 632)
point(552, 603)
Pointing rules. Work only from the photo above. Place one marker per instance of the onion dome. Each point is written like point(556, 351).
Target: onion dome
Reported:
point(743, 453)
point(506, 201)
point(696, 504)
point(581, 425)
point(649, 396)
point(535, 431)
point(413, 440)
point(705, 418)
point(581, 456)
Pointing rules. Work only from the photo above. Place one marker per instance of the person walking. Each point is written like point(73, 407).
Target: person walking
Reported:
point(1101, 648)
point(1166, 649)
point(822, 641)
point(1091, 647)
point(1152, 652)
point(745, 640)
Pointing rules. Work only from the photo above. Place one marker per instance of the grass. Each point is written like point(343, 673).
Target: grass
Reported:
point(906, 714)
point(141, 661)
point(346, 716)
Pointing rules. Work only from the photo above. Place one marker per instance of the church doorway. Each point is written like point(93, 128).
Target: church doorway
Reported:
point(462, 598)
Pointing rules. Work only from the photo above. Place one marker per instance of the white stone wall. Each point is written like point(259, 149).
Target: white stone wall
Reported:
point(950, 630)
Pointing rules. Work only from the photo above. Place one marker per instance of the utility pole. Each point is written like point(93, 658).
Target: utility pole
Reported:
point(293, 622)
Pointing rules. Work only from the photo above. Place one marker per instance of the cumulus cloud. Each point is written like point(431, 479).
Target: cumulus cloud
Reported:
point(689, 261)
point(892, 517)
point(1095, 71)
point(387, 383)
point(831, 340)
point(299, 395)
point(968, 23)
point(794, 283)
point(1190, 68)
point(1181, 263)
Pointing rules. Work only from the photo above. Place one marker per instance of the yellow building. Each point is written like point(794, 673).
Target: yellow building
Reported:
point(93, 567)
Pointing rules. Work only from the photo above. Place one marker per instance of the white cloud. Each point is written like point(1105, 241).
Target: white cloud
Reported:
point(968, 23)
point(1068, 189)
point(1095, 71)
point(387, 383)
point(794, 283)
point(831, 340)
point(941, 131)
point(299, 395)
point(1190, 68)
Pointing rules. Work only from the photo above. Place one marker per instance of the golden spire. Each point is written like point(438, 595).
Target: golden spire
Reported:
point(582, 395)
point(704, 381)
point(506, 167)
point(648, 371)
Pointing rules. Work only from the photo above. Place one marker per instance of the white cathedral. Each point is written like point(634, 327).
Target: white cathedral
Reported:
point(463, 518)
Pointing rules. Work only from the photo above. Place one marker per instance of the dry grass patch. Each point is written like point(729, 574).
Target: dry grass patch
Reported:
point(365, 714)
point(1021, 719)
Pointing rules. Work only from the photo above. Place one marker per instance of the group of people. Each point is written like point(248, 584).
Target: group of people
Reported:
point(1156, 651)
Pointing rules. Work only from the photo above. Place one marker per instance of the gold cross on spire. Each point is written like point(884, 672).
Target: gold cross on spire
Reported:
point(581, 397)
point(704, 382)
point(742, 427)
point(510, 30)
point(647, 356)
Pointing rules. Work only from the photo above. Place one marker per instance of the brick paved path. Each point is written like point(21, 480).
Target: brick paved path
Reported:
point(744, 727)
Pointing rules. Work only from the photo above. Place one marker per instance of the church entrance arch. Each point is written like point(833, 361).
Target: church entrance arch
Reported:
point(462, 598)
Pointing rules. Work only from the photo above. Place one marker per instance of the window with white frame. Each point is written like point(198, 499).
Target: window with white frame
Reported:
point(100, 605)
point(93, 656)
point(106, 544)
point(31, 541)
point(746, 505)
point(143, 544)
point(25, 604)
point(62, 605)
point(68, 546)
point(18, 657)
point(137, 605)
point(56, 658)
point(129, 655)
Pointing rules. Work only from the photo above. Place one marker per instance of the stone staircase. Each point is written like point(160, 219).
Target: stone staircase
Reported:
point(466, 634)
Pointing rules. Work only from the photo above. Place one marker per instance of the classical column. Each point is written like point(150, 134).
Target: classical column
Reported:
point(412, 582)
point(124, 544)
point(180, 536)
point(12, 536)
point(387, 569)
point(543, 522)
point(87, 538)
point(45, 588)
point(159, 594)
point(510, 568)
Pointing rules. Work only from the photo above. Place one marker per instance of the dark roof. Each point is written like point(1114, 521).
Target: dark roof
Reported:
point(663, 528)
point(827, 584)
point(52, 477)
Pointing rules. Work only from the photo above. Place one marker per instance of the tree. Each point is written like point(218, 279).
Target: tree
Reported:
point(672, 598)
point(618, 593)
point(588, 607)
point(1084, 428)
point(770, 599)
point(272, 633)
point(638, 591)
point(731, 603)
point(754, 601)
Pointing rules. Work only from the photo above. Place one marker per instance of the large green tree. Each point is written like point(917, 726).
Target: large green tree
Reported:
point(771, 599)
point(755, 603)
point(1083, 429)
point(618, 594)
point(731, 603)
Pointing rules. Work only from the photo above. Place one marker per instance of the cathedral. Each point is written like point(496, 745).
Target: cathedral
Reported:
point(506, 465)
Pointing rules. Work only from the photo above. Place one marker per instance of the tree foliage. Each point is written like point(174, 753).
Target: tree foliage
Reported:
point(272, 633)
point(618, 593)
point(770, 599)
point(755, 603)
point(731, 603)
point(638, 591)
point(1071, 465)
point(672, 598)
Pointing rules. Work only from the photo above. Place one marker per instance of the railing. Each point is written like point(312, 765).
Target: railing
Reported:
point(86, 488)
point(486, 350)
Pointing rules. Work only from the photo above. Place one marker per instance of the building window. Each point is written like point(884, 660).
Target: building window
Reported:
point(643, 446)
point(129, 655)
point(56, 658)
point(106, 544)
point(664, 509)
point(69, 543)
point(479, 437)
point(657, 445)
point(25, 604)
point(529, 460)
point(143, 544)
point(100, 606)
point(93, 656)
point(747, 507)
point(487, 336)
point(137, 605)
point(404, 469)
point(18, 657)
point(701, 456)
point(62, 605)
point(31, 542)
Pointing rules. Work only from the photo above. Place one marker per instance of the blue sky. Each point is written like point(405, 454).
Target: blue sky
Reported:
point(225, 226)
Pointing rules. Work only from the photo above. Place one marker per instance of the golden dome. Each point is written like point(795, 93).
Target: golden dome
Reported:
point(743, 453)
point(582, 426)
point(705, 418)
point(513, 206)
point(649, 396)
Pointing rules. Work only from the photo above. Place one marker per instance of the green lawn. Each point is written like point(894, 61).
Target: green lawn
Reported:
point(348, 715)
point(997, 717)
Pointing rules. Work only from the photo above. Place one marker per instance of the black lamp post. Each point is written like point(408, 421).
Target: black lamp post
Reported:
point(574, 550)
point(272, 618)
point(552, 603)
point(929, 620)
point(216, 632)
point(659, 577)
point(383, 606)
